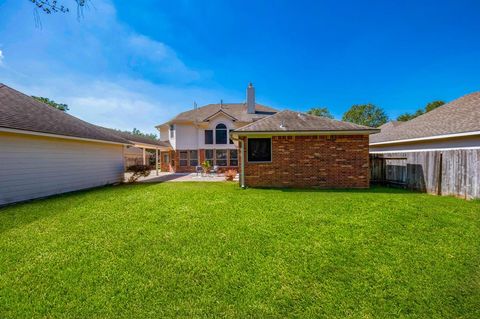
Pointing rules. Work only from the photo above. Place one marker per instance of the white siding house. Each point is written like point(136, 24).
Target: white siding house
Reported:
point(202, 134)
point(44, 151)
point(39, 166)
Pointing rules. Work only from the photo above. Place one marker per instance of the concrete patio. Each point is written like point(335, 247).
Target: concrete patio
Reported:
point(177, 177)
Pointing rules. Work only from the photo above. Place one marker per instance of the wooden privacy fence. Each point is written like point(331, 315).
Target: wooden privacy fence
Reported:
point(135, 159)
point(452, 172)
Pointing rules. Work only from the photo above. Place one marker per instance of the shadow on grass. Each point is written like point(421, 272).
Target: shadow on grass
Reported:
point(23, 213)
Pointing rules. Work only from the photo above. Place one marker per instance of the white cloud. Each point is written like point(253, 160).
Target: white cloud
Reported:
point(2, 57)
point(106, 72)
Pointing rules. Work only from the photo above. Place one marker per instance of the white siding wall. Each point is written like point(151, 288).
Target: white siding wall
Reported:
point(450, 143)
point(186, 137)
point(164, 136)
point(32, 167)
point(189, 137)
point(217, 120)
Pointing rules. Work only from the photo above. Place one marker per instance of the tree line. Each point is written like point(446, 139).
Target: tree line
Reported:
point(372, 115)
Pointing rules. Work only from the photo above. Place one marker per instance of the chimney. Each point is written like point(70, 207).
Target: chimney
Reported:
point(250, 99)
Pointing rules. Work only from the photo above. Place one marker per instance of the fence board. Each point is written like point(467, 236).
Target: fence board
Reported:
point(453, 172)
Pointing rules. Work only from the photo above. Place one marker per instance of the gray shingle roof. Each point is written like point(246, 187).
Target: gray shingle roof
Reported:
point(290, 121)
point(459, 116)
point(135, 138)
point(238, 111)
point(22, 112)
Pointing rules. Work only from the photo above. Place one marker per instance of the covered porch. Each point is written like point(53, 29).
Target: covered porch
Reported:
point(157, 148)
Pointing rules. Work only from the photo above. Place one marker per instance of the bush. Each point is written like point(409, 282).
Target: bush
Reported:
point(137, 172)
point(206, 166)
point(230, 174)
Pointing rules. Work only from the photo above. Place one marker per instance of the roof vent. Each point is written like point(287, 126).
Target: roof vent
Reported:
point(282, 124)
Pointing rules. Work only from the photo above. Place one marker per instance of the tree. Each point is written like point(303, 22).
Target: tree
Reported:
point(366, 114)
point(60, 106)
point(320, 111)
point(433, 105)
point(429, 107)
point(137, 132)
point(52, 6)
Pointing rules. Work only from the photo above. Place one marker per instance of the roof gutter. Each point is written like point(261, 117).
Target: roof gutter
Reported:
point(26, 132)
point(435, 137)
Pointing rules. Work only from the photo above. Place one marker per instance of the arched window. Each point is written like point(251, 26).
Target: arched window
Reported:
point(221, 134)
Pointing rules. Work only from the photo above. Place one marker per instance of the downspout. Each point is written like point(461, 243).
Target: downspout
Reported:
point(242, 152)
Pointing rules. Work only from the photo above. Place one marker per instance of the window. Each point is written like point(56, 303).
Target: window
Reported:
point(165, 158)
point(208, 136)
point(172, 130)
point(209, 156)
point(259, 150)
point(193, 157)
point(231, 141)
point(183, 158)
point(221, 134)
point(221, 157)
point(233, 157)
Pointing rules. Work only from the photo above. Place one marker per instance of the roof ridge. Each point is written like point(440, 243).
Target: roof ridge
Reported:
point(332, 120)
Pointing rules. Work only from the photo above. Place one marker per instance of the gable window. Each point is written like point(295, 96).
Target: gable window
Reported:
point(183, 158)
point(193, 157)
point(221, 157)
point(221, 134)
point(172, 130)
point(233, 157)
point(259, 150)
point(209, 156)
point(208, 136)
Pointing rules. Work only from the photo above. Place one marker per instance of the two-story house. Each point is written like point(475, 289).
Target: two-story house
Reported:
point(202, 134)
point(280, 148)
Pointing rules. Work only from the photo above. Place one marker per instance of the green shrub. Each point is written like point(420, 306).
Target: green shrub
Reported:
point(137, 172)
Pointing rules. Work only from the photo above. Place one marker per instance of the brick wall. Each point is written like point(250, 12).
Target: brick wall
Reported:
point(340, 161)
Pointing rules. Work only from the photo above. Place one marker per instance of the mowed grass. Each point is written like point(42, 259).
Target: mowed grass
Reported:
point(214, 250)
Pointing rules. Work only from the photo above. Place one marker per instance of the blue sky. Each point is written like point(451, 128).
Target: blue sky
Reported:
point(127, 66)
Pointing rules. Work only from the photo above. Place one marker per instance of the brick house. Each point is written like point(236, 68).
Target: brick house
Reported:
point(281, 149)
point(292, 149)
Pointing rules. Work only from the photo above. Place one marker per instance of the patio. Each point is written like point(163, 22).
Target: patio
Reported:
point(178, 177)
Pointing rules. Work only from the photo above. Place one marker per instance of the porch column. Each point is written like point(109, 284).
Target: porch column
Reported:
point(144, 159)
point(156, 160)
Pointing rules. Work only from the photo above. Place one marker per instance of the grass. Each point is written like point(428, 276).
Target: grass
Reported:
point(213, 250)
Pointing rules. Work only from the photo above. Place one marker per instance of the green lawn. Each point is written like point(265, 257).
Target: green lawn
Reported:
point(214, 250)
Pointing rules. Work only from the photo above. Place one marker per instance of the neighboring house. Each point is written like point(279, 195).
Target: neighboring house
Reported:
point(282, 149)
point(437, 152)
point(202, 134)
point(44, 151)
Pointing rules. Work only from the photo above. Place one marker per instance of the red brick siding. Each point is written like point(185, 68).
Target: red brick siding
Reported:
point(313, 161)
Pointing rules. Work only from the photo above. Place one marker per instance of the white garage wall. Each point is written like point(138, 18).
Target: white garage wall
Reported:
point(33, 166)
